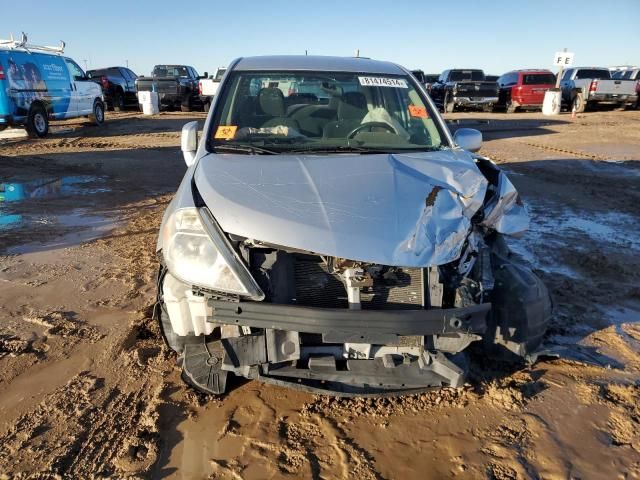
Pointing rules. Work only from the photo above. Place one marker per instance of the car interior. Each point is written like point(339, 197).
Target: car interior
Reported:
point(328, 110)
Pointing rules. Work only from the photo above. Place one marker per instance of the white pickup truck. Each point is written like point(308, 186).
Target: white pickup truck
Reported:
point(583, 87)
point(208, 87)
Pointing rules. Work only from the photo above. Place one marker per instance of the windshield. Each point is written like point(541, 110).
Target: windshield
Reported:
point(323, 112)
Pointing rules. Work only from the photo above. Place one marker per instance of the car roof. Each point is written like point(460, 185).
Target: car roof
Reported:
point(531, 70)
point(318, 63)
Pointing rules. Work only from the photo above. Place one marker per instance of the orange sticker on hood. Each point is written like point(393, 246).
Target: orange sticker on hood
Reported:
point(225, 132)
point(419, 112)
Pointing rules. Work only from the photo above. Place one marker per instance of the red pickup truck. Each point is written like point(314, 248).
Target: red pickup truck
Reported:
point(524, 89)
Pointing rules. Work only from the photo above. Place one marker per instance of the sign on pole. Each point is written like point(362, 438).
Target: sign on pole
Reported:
point(563, 59)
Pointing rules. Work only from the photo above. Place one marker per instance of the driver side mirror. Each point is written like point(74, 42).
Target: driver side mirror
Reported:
point(189, 142)
point(468, 139)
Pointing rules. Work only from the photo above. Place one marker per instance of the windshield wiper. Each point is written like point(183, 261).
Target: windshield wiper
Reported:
point(334, 149)
point(245, 148)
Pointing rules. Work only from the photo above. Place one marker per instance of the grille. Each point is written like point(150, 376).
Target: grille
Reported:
point(393, 289)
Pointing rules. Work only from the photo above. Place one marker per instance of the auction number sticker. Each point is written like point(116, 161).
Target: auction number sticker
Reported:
point(383, 82)
point(226, 132)
point(418, 112)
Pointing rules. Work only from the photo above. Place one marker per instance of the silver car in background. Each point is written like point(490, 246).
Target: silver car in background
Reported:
point(330, 234)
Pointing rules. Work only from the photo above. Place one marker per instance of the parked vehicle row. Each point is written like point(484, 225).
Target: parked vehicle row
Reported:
point(582, 88)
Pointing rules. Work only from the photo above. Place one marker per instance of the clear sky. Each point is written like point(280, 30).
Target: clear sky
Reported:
point(432, 35)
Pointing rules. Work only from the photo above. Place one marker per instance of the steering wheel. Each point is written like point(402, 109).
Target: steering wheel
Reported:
point(368, 126)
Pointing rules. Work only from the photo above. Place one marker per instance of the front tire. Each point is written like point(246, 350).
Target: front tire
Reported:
point(97, 115)
point(37, 122)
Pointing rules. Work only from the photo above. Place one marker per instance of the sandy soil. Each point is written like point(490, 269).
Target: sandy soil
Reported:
point(88, 389)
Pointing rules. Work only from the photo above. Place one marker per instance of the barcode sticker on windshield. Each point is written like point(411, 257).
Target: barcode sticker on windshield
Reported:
point(383, 82)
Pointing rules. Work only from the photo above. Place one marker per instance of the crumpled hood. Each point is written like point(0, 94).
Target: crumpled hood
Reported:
point(410, 210)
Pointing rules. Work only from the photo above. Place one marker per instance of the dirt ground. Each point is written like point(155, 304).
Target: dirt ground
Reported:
point(88, 389)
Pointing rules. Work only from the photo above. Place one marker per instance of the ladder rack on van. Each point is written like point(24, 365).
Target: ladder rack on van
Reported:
point(23, 45)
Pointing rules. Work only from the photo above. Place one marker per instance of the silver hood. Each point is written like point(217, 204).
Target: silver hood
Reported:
point(410, 210)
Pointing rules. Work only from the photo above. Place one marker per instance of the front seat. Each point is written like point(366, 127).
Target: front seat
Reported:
point(271, 101)
point(351, 110)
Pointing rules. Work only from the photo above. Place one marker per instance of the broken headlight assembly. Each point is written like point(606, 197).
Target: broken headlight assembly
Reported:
point(196, 251)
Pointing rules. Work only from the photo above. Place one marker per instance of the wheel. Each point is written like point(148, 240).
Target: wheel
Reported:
point(37, 122)
point(511, 108)
point(207, 106)
point(487, 108)
point(118, 102)
point(578, 104)
point(97, 116)
point(187, 104)
point(185, 108)
point(448, 106)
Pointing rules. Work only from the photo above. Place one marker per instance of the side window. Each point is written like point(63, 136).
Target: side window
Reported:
point(132, 75)
point(194, 74)
point(75, 70)
point(124, 73)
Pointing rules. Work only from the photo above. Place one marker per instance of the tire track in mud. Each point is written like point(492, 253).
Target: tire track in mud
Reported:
point(575, 153)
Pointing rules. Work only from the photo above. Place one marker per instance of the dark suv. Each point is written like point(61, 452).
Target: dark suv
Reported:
point(118, 85)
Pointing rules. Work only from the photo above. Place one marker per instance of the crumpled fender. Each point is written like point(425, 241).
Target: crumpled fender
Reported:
point(504, 212)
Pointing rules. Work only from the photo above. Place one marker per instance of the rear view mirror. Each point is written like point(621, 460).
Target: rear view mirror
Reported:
point(189, 142)
point(206, 75)
point(468, 139)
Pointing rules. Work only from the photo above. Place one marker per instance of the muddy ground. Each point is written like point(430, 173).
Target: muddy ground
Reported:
point(88, 389)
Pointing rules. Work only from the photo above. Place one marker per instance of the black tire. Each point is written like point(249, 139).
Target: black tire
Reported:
point(37, 122)
point(118, 102)
point(578, 103)
point(448, 106)
point(97, 115)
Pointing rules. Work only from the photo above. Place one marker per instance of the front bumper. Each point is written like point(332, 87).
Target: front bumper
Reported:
point(359, 352)
point(474, 101)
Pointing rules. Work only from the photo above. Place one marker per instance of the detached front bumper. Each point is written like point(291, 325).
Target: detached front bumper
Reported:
point(359, 352)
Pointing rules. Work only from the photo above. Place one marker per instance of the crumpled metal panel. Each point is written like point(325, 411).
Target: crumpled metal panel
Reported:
point(505, 212)
point(410, 210)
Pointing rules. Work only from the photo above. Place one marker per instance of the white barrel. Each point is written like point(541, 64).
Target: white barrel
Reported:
point(149, 102)
point(552, 102)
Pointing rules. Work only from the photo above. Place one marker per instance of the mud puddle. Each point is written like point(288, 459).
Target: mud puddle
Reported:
point(47, 207)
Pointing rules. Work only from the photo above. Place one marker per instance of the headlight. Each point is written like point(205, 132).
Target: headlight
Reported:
point(196, 252)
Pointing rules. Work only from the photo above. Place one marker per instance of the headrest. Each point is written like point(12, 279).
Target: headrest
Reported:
point(271, 101)
point(353, 106)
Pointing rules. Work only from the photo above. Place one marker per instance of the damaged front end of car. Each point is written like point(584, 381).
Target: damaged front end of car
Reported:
point(331, 279)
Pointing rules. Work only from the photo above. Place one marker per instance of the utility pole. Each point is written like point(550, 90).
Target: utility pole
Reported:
point(85, 65)
point(127, 61)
